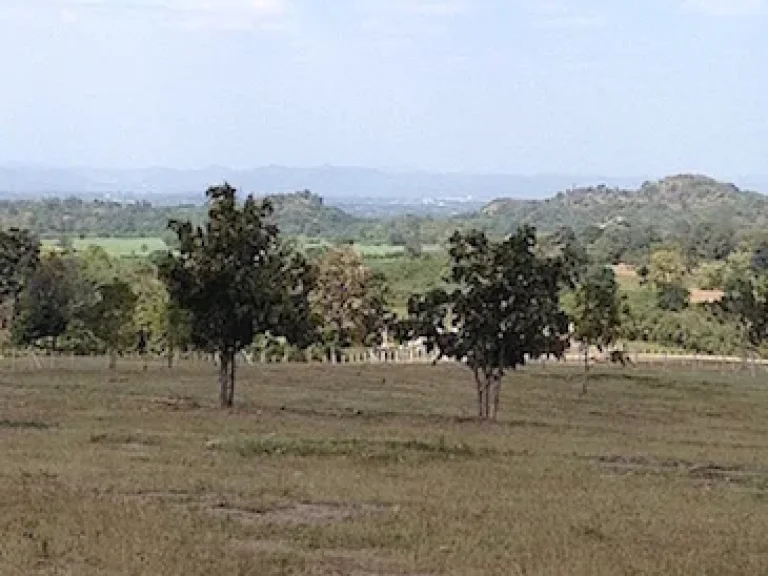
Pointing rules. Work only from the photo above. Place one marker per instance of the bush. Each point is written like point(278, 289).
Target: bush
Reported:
point(672, 297)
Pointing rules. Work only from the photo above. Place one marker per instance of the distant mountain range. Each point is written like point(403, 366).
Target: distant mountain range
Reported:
point(164, 185)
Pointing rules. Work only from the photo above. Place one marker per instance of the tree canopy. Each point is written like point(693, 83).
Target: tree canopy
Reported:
point(597, 314)
point(349, 299)
point(236, 279)
point(502, 307)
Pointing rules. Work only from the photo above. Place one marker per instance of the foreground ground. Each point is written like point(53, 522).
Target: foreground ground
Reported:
point(380, 470)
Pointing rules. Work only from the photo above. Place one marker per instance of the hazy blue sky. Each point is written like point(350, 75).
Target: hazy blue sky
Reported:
point(616, 87)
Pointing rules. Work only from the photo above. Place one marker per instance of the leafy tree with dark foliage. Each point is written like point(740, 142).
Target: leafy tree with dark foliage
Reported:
point(110, 319)
point(564, 244)
point(19, 256)
point(708, 241)
point(46, 305)
point(502, 309)
point(760, 258)
point(236, 280)
point(672, 296)
point(746, 298)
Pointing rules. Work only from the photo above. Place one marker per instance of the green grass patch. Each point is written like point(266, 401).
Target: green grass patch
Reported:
point(392, 450)
point(24, 425)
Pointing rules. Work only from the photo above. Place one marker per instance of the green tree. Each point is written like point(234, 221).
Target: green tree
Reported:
point(167, 323)
point(98, 266)
point(565, 245)
point(740, 264)
point(235, 279)
point(643, 273)
point(760, 258)
point(597, 314)
point(708, 241)
point(746, 298)
point(667, 272)
point(178, 330)
point(672, 297)
point(47, 304)
point(152, 302)
point(349, 299)
point(111, 318)
point(666, 267)
point(711, 276)
point(19, 257)
point(413, 247)
point(503, 307)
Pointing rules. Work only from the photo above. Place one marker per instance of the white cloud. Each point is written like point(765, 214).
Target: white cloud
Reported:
point(725, 7)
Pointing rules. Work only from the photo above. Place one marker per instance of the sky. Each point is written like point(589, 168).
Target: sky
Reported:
point(610, 87)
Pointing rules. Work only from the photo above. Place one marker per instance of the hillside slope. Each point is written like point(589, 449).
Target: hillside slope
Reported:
point(300, 213)
point(663, 208)
point(305, 214)
point(665, 205)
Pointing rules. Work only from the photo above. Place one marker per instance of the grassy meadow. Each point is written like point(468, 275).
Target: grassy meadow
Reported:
point(365, 470)
point(117, 247)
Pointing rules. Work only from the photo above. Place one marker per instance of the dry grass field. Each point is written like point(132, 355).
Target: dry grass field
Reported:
point(381, 470)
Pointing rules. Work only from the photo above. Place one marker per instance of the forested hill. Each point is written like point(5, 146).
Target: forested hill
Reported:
point(665, 205)
point(301, 213)
point(305, 214)
point(660, 209)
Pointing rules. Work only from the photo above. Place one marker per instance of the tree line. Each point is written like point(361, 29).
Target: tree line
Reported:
point(235, 279)
point(706, 220)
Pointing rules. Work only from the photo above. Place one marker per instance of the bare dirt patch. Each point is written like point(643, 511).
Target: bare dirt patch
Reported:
point(299, 513)
point(290, 514)
point(706, 296)
point(625, 271)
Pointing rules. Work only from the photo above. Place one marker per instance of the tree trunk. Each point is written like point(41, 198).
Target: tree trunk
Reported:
point(170, 358)
point(482, 390)
point(480, 402)
point(112, 359)
point(496, 395)
point(586, 369)
point(232, 365)
point(224, 379)
point(487, 403)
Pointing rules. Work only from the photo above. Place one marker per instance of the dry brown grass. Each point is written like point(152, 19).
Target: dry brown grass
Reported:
point(381, 470)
